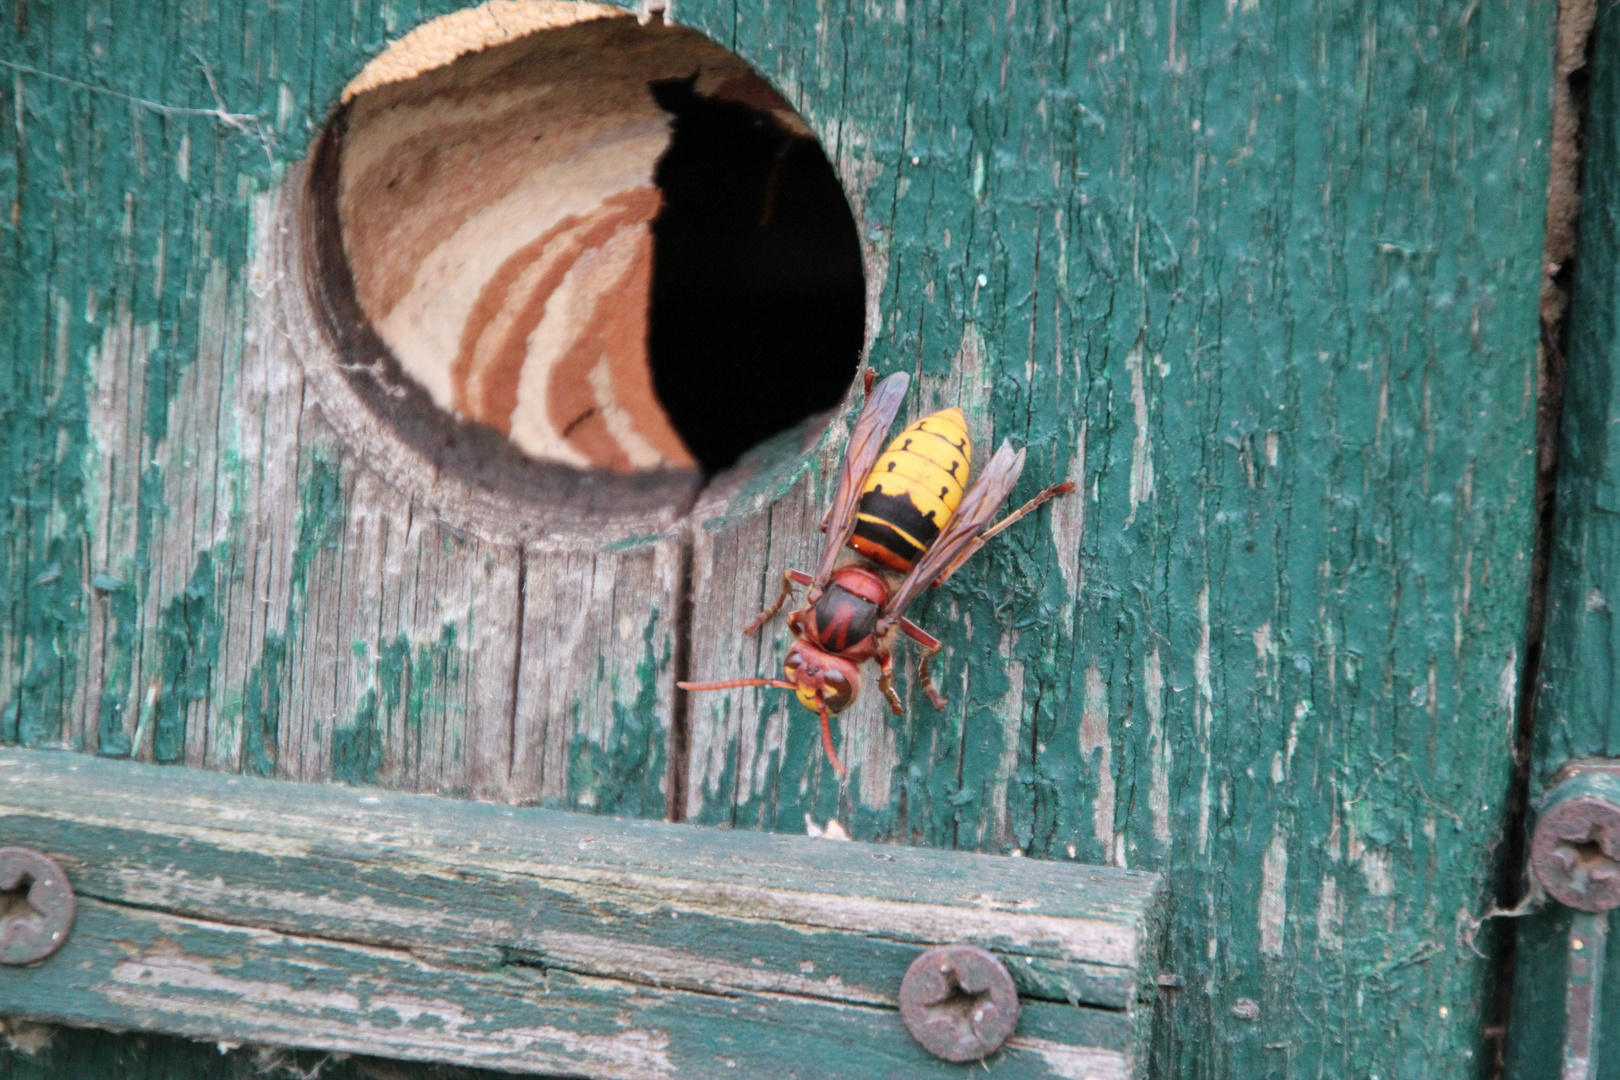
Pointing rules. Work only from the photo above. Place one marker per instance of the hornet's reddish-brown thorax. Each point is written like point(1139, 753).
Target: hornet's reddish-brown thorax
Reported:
point(835, 636)
point(845, 617)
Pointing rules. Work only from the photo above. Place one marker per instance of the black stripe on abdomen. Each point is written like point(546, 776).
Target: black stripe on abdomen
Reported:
point(881, 535)
point(900, 512)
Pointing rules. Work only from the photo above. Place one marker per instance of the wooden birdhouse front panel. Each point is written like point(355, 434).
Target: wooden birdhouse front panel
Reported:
point(339, 446)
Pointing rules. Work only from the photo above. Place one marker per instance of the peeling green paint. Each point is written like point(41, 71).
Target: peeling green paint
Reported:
point(121, 609)
point(258, 711)
point(189, 633)
point(357, 751)
point(94, 231)
point(637, 751)
point(321, 515)
point(260, 705)
point(406, 682)
point(637, 725)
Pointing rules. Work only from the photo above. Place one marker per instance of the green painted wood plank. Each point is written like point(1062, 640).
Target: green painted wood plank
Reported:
point(1576, 707)
point(126, 969)
point(1575, 714)
point(1262, 279)
point(265, 911)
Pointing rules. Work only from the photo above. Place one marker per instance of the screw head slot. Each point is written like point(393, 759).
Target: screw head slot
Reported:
point(1575, 852)
point(36, 906)
point(959, 1002)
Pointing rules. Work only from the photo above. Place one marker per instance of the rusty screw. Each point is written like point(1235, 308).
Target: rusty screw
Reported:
point(36, 906)
point(959, 1002)
point(1575, 852)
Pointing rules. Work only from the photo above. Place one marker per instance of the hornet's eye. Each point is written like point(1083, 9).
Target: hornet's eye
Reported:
point(837, 693)
point(790, 666)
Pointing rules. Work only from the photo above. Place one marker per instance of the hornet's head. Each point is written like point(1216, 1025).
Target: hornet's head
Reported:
point(821, 678)
point(824, 683)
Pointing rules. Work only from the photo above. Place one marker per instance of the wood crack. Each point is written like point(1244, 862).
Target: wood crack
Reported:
point(517, 662)
point(1566, 159)
point(680, 721)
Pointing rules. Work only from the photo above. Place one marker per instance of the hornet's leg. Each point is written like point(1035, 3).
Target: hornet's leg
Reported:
point(885, 660)
point(934, 696)
point(769, 613)
point(827, 743)
point(967, 553)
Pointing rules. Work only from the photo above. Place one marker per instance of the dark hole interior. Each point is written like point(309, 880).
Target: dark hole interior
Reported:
point(758, 295)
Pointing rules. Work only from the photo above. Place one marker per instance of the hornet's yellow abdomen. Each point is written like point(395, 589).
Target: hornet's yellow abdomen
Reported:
point(913, 490)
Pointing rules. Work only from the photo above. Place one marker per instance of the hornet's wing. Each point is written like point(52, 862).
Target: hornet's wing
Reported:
point(865, 444)
point(981, 503)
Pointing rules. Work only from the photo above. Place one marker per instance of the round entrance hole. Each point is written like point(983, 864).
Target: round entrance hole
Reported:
point(548, 236)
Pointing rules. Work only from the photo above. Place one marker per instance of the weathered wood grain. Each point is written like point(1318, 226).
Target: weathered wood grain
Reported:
point(1262, 277)
point(306, 597)
point(237, 909)
point(1576, 711)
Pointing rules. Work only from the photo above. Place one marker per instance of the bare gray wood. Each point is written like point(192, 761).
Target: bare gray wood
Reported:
point(359, 613)
point(239, 909)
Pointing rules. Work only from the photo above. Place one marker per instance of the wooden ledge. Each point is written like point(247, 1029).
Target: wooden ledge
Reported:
point(242, 910)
